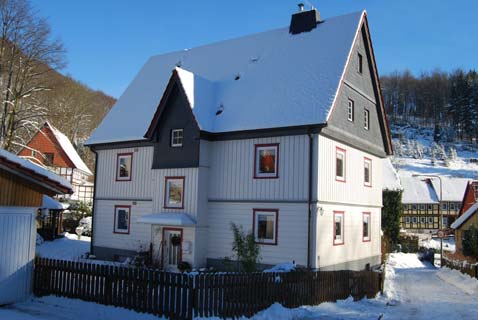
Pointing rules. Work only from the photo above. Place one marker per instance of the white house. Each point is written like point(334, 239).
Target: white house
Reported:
point(282, 132)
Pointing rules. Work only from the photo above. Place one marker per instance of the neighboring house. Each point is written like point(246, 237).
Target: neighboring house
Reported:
point(390, 177)
point(464, 222)
point(23, 185)
point(470, 197)
point(421, 206)
point(52, 149)
point(281, 132)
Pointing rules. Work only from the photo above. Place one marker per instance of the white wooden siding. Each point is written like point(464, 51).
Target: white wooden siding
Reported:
point(353, 248)
point(292, 230)
point(17, 249)
point(140, 185)
point(190, 189)
point(232, 170)
point(352, 191)
point(140, 233)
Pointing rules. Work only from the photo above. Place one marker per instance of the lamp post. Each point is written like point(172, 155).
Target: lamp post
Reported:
point(440, 212)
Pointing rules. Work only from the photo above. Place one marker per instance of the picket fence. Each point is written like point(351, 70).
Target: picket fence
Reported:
point(185, 296)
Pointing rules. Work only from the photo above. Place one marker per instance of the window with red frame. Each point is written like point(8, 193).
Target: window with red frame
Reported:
point(124, 166)
point(266, 161)
point(122, 219)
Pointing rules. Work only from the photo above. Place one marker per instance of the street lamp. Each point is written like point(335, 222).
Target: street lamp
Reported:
point(440, 213)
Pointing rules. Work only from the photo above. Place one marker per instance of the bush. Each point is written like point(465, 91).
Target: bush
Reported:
point(470, 242)
point(245, 248)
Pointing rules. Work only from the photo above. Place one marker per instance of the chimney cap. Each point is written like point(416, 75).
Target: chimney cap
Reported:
point(301, 6)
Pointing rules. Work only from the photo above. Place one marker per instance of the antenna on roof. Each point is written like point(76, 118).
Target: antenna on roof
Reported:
point(301, 6)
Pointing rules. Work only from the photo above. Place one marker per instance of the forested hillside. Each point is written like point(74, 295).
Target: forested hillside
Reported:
point(447, 102)
point(32, 89)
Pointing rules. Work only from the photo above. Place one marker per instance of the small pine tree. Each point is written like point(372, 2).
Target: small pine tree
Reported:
point(245, 248)
point(392, 207)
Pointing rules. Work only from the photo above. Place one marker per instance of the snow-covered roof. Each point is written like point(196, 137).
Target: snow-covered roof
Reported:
point(465, 216)
point(453, 188)
point(390, 178)
point(70, 151)
point(52, 204)
point(418, 190)
point(22, 163)
point(266, 80)
point(168, 219)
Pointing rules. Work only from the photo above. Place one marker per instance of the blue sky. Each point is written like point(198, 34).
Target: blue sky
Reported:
point(108, 41)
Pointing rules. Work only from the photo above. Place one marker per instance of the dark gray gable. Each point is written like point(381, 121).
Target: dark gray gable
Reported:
point(362, 88)
point(175, 113)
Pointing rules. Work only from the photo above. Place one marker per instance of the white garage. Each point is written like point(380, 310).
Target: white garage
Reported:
point(22, 185)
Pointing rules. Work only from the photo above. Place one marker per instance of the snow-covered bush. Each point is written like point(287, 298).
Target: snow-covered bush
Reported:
point(84, 227)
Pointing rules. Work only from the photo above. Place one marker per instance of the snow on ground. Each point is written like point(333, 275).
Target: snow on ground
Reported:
point(448, 244)
point(67, 248)
point(459, 280)
point(55, 308)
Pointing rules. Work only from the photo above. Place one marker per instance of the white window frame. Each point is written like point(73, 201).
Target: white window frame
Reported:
point(118, 166)
point(350, 110)
point(339, 217)
point(445, 222)
point(116, 219)
point(423, 220)
point(415, 207)
point(366, 218)
point(274, 213)
point(452, 206)
point(368, 162)
point(414, 220)
point(343, 153)
point(167, 203)
point(366, 119)
point(430, 220)
point(177, 136)
point(444, 206)
point(407, 220)
point(257, 161)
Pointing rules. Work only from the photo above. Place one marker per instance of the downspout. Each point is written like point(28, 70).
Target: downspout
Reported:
point(93, 205)
point(309, 200)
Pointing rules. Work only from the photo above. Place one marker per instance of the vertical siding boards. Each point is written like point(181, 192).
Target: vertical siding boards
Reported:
point(232, 170)
point(140, 233)
point(190, 189)
point(353, 190)
point(140, 185)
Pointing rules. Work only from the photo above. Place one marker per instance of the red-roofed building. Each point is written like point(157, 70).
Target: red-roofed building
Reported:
point(52, 149)
point(470, 197)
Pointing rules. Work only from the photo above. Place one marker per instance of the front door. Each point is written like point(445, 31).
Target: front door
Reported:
point(172, 241)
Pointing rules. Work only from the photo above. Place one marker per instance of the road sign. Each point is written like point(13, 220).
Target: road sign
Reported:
point(441, 233)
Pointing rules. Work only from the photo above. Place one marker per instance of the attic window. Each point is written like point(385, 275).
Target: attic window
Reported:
point(359, 63)
point(177, 138)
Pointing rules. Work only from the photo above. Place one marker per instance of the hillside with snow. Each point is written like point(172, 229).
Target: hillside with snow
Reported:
point(415, 152)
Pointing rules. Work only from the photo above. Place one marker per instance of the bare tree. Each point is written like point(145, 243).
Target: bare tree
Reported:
point(27, 55)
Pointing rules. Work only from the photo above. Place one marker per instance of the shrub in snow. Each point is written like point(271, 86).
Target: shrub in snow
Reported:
point(84, 227)
point(245, 249)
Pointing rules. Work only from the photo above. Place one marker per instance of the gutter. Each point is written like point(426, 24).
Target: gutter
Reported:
point(309, 200)
point(93, 204)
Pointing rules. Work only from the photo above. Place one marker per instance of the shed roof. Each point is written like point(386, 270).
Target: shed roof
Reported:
point(34, 173)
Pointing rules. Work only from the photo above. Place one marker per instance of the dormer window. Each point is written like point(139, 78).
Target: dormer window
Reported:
point(177, 138)
point(359, 63)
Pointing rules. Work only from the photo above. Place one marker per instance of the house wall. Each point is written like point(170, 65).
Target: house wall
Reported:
point(353, 190)
point(16, 192)
point(107, 243)
point(232, 170)
point(44, 141)
point(354, 253)
point(292, 230)
point(139, 188)
point(459, 233)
